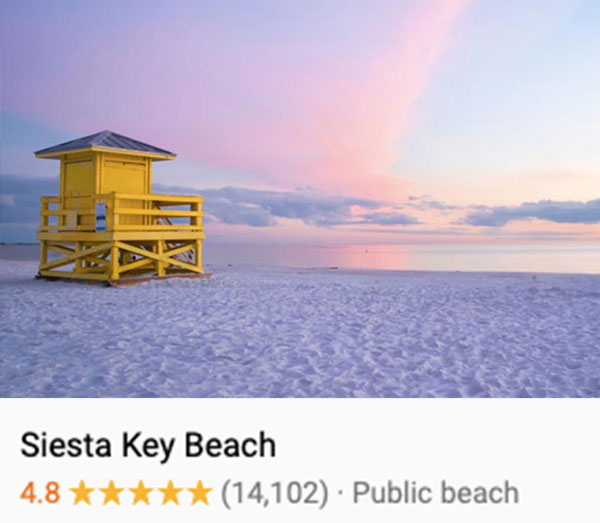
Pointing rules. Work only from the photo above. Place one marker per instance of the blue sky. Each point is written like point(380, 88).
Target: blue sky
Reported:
point(479, 106)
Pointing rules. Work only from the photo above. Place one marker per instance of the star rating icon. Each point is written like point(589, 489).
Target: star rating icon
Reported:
point(111, 493)
point(200, 493)
point(82, 493)
point(170, 493)
point(141, 493)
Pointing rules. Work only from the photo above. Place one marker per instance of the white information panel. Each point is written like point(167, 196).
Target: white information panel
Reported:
point(292, 460)
point(100, 216)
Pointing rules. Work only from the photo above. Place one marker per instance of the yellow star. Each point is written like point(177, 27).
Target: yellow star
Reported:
point(141, 493)
point(82, 493)
point(200, 493)
point(170, 493)
point(111, 493)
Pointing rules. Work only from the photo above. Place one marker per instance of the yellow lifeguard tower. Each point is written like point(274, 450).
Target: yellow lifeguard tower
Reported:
point(105, 221)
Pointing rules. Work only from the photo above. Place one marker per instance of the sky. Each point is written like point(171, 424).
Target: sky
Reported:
point(321, 122)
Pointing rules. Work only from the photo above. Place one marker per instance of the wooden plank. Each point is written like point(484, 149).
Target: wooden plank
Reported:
point(136, 265)
point(58, 263)
point(114, 261)
point(78, 260)
point(198, 253)
point(95, 250)
point(86, 236)
point(74, 275)
point(160, 265)
point(112, 219)
point(159, 197)
point(137, 250)
point(154, 235)
point(143, 228)
point(61, 249)
point(43, 253)
point(157, 212)
point(63, 212)
point(44, 222)
point(72, 257)
point(58, 228)
point(148, 254)
point(72, 236)
point(179, 250)
point(98, 261)
point(100, 270)
point(197, 208)
point(185, 265)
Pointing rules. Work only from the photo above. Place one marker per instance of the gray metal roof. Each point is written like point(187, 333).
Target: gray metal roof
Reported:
point(108, 140)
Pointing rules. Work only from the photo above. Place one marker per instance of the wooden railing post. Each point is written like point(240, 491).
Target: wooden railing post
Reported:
point(62, 218)
point(78, 261)
point(44, 213)
point(198, 255)
point(160, 265)
point(43, 252)
point(110, 217)
point(115, 211)
point(114, 262)
point(196, 207)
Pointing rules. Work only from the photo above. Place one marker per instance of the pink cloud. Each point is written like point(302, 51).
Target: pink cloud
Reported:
point(315, 109)
point(357, 118)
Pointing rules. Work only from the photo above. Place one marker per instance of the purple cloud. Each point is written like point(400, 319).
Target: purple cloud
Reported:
point(558, 212)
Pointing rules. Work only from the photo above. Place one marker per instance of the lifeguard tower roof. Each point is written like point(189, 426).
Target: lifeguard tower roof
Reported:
point(106, 141)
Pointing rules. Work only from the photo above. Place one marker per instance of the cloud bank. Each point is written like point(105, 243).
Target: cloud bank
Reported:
point(553, 211)
point(19, 204)
point(19, 211)
point(261, 208)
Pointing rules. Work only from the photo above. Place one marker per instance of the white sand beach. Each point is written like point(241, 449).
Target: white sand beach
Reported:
point(302, 333)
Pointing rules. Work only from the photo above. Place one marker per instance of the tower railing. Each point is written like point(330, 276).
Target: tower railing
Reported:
point(123, 212)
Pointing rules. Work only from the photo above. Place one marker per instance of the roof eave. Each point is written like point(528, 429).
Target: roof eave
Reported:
point(154, 156)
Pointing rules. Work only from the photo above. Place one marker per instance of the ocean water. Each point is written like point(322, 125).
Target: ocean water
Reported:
point(555, 258)
point(515, 258)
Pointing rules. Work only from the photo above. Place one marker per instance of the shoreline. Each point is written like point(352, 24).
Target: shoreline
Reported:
point(28, 252)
